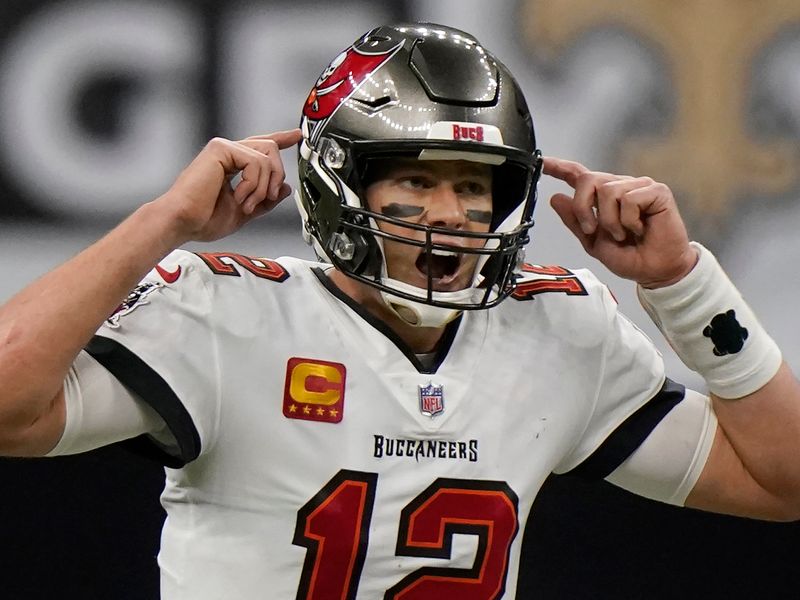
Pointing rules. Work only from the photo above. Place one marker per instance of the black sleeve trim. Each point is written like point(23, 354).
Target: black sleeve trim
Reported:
point(626, 438)
point(133, 372)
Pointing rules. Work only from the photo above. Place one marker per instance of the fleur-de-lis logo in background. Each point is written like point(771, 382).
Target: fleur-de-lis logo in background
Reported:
point(708, 156)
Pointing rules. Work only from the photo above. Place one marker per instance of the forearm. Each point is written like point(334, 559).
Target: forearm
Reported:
point(45, 325)
point(752, 469)
point(43, 328)
point(763, 429)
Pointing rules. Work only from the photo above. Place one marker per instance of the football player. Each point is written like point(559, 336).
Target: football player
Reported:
point(378, 423)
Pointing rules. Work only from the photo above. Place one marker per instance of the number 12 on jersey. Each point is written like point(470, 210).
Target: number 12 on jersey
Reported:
point(334, 527)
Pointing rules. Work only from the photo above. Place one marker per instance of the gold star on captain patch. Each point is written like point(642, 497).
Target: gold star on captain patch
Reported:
point(320, 411)
point(307, 410)
point(333, 412)
point(293, 408)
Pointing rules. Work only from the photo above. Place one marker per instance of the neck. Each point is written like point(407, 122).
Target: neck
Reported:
point(419, 339)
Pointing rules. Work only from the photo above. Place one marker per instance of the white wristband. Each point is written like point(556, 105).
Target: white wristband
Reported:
point(713, 331)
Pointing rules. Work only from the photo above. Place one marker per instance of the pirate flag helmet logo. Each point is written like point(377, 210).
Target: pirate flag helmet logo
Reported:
point(342, 77)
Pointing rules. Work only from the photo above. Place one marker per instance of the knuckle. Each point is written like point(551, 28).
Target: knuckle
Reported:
point(586, 178)
point(262, 163)
point(626, 198)
point(607, 189)
point(663, 189)
point(216, 142)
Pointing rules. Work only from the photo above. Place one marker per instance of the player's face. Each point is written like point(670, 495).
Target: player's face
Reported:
point(454, 194)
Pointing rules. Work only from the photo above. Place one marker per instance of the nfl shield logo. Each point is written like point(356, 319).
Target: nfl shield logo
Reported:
point(431, 399)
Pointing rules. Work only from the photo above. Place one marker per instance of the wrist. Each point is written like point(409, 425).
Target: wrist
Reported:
point(713, 330)
point(688, 261)
point(168, 227)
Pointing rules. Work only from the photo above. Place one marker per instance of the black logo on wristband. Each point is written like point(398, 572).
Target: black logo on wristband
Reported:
point(726, 333)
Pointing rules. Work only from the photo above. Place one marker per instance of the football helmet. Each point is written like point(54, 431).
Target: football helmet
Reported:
point(433, 93)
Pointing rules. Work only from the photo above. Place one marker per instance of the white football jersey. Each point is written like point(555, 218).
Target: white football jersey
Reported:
point(317, 457)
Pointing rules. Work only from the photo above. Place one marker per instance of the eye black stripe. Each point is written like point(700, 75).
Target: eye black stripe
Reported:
point(401, 211)
point(479, 216)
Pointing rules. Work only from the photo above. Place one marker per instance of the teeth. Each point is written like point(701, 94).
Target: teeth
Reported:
point(443, 253)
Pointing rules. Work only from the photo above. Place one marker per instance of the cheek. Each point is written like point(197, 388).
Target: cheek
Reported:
point(399, 259)
point(397, 231)
point(476, 228)
point(372, 196)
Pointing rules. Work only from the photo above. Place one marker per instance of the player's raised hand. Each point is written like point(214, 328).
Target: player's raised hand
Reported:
point(630, 224)
point(203, 202)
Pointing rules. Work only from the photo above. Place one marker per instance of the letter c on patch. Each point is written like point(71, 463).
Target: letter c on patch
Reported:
point(316, 382)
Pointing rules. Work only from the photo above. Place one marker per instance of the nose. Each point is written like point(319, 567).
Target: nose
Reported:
point(446, 209)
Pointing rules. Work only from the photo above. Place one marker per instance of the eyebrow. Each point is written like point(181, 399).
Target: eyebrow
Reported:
point(475, 169)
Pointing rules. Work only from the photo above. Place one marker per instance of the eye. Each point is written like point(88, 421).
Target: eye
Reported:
point(416, 182)
point(473, 188)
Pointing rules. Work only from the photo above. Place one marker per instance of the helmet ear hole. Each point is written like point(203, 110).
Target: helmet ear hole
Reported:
point(355, 251)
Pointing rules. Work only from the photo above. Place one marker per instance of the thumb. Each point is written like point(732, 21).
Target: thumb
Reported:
point(562, 205)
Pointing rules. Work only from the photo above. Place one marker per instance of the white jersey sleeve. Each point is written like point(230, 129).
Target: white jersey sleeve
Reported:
point(669, 462)
point(160, 344)
point(101, 411)
point(632, 395)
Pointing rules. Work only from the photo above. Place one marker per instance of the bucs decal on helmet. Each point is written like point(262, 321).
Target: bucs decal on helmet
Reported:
point(342, 78)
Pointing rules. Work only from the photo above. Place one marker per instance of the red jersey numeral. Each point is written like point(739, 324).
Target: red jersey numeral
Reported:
point(563, 281)
point(487, 509)
point(334, 527)
point(260, 267)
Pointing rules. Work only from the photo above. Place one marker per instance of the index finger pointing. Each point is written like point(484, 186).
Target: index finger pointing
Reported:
point(566, 170)
point(284, 139)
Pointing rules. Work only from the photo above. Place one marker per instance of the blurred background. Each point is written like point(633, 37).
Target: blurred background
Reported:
point(102, 103)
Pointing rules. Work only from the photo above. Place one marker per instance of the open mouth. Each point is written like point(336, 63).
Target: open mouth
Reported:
point(441, 265)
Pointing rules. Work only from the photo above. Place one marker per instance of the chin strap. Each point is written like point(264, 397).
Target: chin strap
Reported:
point(420, 314)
